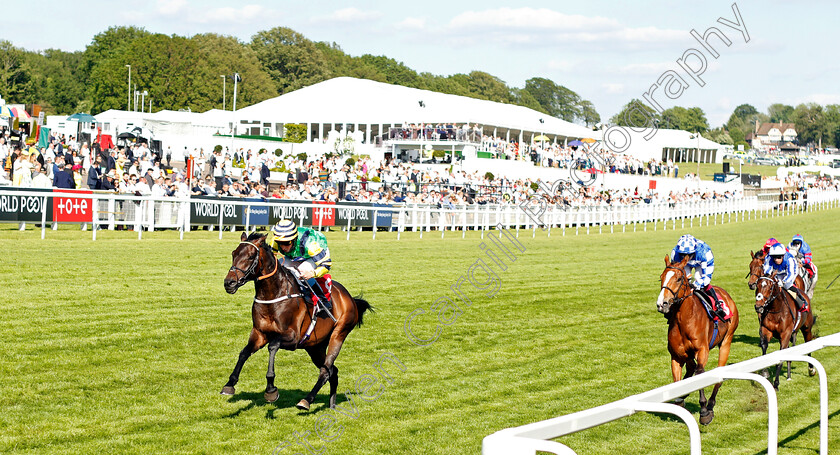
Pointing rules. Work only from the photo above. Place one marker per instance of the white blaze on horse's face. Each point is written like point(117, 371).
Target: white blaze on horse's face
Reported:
point(665, 283)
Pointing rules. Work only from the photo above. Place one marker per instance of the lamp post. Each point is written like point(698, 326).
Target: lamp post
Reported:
point(143, 100)
point(224, 91)
point(150, 104)
point(129, 87)
point(236, 79)
point(136, 97)
point(697, 136)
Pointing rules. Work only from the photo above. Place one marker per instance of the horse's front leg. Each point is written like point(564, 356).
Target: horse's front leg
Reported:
point(763, 342)
point(255, 342)
point(271, 392)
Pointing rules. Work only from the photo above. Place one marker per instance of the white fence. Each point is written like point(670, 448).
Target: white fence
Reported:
point(536, 437)
point(137, 213)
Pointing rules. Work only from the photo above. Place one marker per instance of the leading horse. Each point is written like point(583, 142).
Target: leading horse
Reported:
point(691, 331)
point(778, 318)
point(281, 317)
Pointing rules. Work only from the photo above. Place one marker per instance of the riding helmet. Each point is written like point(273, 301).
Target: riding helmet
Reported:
point(687, 244)
point(285, 231)
point(777, 250)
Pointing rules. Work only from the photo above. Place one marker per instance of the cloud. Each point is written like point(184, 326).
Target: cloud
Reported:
point(240, 15)
point(819, 98)
point(526, 26)
point(647, 69)
point(411, 23)
point(171, 7)
point(613, 88)
point(349, 15)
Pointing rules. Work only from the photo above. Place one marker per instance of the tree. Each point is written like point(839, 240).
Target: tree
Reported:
point(172, 69)
point(57, 81)
point(693, 119)
point(719, 135)
point(486, 86)
point(291, 60)
point(557, 100)
point(779, 113)
point(636, 114)
point(15, 77)
point(226, 55)
point(811, 125)
point(589, 115)
point(832, 118)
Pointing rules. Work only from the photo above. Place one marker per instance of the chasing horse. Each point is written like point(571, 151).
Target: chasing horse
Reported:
point(693, 329)
point(283, 317)
point(782, 308)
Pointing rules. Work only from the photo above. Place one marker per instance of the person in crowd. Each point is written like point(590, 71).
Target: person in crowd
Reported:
point(39, 177)
point(701, 259)
point(64, 177)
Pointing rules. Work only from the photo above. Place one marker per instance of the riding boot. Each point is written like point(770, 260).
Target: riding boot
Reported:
point(718, 304)
point(801, 302)
point(319, 293)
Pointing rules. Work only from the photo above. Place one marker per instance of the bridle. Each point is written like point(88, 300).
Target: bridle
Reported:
point(767, 301)
point(683, 281)
point(255, 261)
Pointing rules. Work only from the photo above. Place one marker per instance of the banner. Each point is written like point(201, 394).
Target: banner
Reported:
point(208, 212)
point(323, 213)
point(302, 216)
point(24, 208)
point(70, 209)
point(256, 215)
point(384, 218)
point(359, 214)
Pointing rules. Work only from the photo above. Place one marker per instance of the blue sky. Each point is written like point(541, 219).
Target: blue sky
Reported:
point(608, 52)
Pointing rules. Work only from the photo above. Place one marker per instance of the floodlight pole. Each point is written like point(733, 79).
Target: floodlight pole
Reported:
point(224, 91)
point(233, 116)
point(129, 87)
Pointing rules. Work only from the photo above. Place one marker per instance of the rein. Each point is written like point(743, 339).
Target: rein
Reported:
point(683, 281)
point(254, 265)
point(768, 301)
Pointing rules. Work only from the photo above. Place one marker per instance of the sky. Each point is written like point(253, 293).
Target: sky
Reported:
point(607, 52)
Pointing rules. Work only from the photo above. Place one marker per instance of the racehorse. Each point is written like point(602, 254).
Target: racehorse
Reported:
point(757, 271)
point(778, 318)
point(691, 331)
point(281, 317)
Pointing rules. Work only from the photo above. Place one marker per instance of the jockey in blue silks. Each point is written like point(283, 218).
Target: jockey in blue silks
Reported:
point(798, 247)
point(779, 260)
point(701, 259)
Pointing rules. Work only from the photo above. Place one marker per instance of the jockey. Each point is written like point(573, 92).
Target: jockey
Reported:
point(309, 246)
point(769, 243)
point(798, 247)
point(783, 263)
point(700, 259)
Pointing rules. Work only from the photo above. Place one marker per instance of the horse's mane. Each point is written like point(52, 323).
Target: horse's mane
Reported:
point(256, 238)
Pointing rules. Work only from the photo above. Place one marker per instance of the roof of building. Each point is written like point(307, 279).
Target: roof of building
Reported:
point(362, 101)
point(765, 128)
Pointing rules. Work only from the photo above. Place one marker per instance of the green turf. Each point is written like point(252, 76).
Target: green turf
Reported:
point(121, 346)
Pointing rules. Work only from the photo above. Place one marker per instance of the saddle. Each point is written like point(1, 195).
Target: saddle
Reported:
point(308, 292)
point(708, 305)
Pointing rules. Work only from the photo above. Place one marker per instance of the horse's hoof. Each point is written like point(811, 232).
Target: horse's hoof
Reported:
point(272, 396)
point(303, 405)
point(680, 403)
point(765, 374)
point(812, 371)
point(707, 419)
point(228, 390)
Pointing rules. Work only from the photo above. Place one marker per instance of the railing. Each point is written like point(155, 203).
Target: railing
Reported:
point(137, 213)
point(536, 437)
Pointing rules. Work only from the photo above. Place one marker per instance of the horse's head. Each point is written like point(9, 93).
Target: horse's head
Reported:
point(673, 285)
point(756, 267)
point(246, 260)
point(765, 292)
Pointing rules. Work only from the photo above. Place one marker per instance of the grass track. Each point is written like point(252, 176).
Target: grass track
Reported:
point(121, 346)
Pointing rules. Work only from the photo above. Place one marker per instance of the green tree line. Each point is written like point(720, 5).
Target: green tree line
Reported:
point(815, 125)
point(184, 73)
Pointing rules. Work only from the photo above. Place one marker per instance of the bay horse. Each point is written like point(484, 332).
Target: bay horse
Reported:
point(757, 271)
point(778, 318)
point(691, 332)
point(281, 317)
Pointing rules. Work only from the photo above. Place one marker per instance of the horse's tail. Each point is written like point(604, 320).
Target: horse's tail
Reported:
point(362, 305)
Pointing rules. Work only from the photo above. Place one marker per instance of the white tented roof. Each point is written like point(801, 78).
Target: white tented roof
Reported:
point(362, 101)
